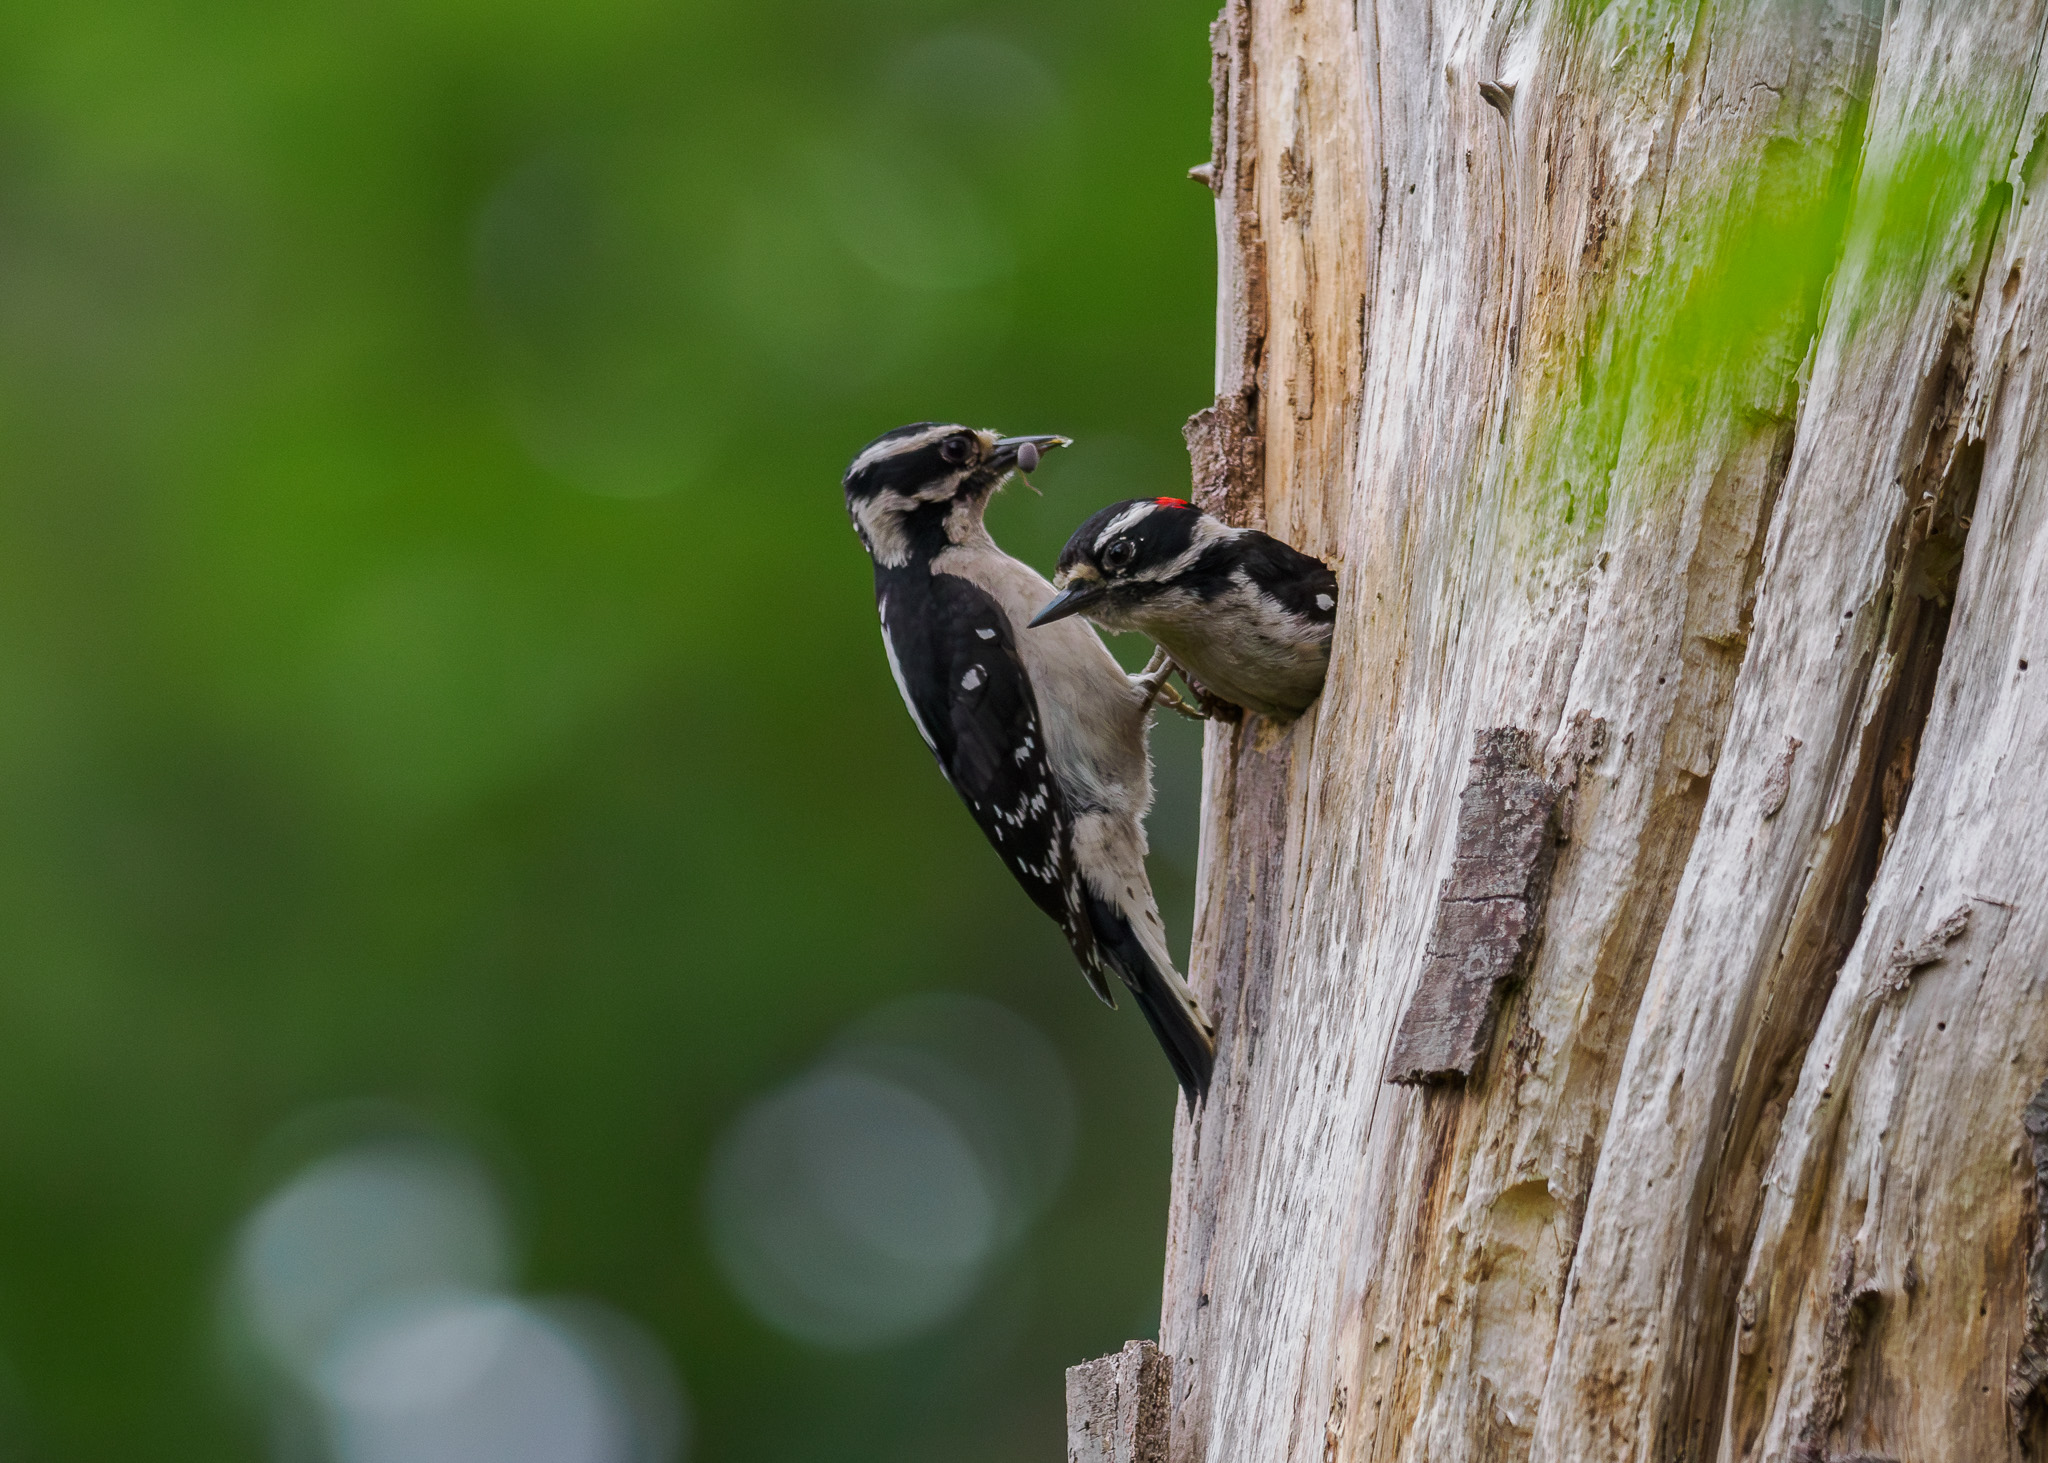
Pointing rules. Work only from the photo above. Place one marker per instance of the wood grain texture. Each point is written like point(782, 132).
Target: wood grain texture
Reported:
point(1680, 383)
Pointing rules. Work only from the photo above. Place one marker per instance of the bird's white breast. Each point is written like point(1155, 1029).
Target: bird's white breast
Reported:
point(1244, 647)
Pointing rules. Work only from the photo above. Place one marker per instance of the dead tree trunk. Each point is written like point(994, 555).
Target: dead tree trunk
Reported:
point(1631, 973)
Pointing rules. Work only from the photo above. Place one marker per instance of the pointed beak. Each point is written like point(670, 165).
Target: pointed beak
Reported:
point(1071, 600)
point(1024, 452)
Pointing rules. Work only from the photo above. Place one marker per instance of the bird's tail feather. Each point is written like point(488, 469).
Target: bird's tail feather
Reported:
point(1189, 1048)
point(1169, 1006)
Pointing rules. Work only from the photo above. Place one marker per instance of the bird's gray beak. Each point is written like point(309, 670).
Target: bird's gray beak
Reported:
point(1071, 600)
point(1024, 452)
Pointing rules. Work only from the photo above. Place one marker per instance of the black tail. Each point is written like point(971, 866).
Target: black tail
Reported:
point(1189, 1048)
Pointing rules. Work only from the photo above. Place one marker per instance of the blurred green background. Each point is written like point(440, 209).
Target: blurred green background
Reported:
point(442, 693)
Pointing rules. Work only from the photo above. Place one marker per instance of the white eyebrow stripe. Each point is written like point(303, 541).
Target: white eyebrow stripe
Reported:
point(1123, 521)
point(897, 447)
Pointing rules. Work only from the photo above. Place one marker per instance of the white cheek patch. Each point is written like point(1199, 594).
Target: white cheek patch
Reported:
point(879, 521)
point(1324, 602)
point(986, 634)
point(945, 489)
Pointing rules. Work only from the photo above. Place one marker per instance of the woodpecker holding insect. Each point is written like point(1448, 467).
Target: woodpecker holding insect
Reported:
point(1041, 734)
point(1237, 610)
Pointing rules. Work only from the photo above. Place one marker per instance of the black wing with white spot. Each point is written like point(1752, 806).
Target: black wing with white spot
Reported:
point(956, 663)
point(1301, 584)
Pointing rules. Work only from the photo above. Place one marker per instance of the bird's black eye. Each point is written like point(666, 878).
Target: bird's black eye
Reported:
point(1117, 557)
point(957, 450)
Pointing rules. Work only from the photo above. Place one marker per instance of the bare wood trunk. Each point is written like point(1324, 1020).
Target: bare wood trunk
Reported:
point(1659, 377)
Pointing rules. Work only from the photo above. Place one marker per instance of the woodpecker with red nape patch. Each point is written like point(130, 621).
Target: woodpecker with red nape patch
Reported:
point(1040, 732)
point(1237, 610)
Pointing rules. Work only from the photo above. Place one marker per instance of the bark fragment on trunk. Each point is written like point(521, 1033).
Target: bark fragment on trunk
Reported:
point(1670, 368)
point(1486, 915)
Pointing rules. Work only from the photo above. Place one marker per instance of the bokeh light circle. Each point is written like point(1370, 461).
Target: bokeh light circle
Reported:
point(467, 1379)
point(376, 1284)
point(384, 1218)
point(849, 1211)
point(863, 1204)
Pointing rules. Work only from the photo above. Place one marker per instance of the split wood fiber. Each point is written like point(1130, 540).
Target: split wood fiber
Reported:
point(1670, 369)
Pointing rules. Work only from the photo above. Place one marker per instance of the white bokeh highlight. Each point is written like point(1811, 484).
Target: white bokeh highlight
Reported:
point(864, 1203)
point(376, 1285)
point(381, 1219)
point(467, 1379)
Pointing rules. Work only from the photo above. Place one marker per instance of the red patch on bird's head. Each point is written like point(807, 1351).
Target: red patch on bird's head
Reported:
point(1172, 502)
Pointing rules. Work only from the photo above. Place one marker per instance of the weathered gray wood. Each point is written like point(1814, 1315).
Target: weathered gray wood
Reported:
point(1118, 1406)
point(1670, 368)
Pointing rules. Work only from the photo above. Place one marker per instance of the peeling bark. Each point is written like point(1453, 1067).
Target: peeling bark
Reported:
point(1226, 455)
point(1486, 916)
point(1659, 377)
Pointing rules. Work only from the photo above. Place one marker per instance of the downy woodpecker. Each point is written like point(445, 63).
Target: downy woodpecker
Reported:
point(1236, 609)
point(1041, 733)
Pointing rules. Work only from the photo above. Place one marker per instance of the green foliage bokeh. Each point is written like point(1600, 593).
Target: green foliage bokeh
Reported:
point(438, 670)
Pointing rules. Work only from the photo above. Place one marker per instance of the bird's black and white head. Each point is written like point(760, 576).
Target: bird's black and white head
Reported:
point(1133, 556)
point(913, 491)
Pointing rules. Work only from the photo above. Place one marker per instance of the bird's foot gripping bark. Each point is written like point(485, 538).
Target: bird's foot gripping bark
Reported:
point(1206, 705)
point(1154, 683)
point(1152, 679)
point(1172, 700)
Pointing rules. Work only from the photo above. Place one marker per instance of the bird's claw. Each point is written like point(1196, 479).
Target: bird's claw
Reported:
point(1172, 700)
point(1153, 680)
